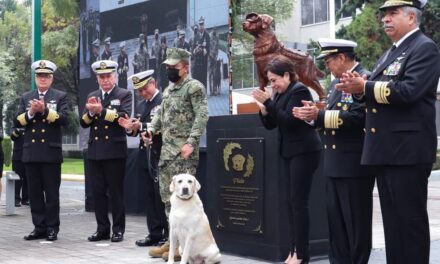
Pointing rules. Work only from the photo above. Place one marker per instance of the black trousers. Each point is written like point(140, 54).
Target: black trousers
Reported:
point(299, 171)
point(349, 210)
point(44, 181)
point(403, 192)
point(21, 188)
point(155, 209)
point(108, 176)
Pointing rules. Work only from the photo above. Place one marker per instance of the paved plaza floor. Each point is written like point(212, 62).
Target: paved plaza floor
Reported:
point(76, 225)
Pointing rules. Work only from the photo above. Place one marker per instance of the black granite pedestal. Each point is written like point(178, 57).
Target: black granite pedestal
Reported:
point(245, 195)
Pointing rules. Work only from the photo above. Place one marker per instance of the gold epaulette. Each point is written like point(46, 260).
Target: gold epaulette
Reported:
point(111, 115)
point(381, 92)
point(86, 119)
point(22, 119)
point(332, 120)
point(52, 116)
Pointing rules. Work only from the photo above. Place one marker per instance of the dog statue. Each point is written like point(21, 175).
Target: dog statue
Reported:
point(189, 225)
point(266, 47)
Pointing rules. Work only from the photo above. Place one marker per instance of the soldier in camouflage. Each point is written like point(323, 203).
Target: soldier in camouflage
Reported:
point(182, 119)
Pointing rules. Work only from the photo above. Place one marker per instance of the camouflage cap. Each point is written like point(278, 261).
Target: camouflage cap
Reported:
point(176, 55)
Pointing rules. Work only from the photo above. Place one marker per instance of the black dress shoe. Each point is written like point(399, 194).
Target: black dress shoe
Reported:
point(25, 202)
point(147, 242)
point(117, 237)
point(98, 236)
point(35, 235)
point(52, 235)
point(17, 203)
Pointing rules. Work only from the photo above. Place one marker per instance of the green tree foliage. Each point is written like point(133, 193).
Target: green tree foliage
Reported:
point(367, 31)
point(366, 28)
point(15, 33)
point(60, 45)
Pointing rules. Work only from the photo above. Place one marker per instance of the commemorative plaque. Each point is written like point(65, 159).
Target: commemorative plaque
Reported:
point(240, 189)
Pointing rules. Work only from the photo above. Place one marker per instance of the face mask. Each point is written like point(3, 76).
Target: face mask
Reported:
point(173, 75)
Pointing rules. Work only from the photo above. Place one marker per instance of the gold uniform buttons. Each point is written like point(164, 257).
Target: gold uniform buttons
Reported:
point(35, 121)
point(44, 120)
point(333, 146)
point(325, 146)
point(33, 130)
point(96, 138)
point(42, 141)
point(106, 137)
point(325, 133)
point(106, 127)
point(333, 132)
point(366, 110)
point(96, 128)
point(374, 110)
point(33, 140)
point(339, 104)
point(373, 130)
point(142, 147)
point(43, 130)
point(96, 117)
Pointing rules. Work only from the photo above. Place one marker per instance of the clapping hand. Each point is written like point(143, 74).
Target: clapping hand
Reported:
point(94, 105)
point(36, 106)
point(308, 112)
point(351, 82)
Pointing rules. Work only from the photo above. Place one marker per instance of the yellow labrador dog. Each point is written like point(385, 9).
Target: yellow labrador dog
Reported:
point(189, 224)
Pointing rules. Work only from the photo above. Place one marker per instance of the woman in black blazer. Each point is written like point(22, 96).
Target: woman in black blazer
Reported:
point(300, 148)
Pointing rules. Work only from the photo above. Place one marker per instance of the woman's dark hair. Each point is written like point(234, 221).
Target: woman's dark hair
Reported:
point(279, 65)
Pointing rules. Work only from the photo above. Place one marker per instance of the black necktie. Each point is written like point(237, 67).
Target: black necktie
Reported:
point(393, 48)
point(104, 96)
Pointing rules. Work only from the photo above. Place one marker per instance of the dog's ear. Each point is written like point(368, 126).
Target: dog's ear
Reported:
point(172, 187)
point(197, 184)
point(267, 20)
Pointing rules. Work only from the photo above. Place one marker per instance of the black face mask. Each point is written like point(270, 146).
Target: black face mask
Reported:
point(173, 75)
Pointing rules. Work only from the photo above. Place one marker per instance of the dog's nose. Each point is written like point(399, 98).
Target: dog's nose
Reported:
point(185, 190)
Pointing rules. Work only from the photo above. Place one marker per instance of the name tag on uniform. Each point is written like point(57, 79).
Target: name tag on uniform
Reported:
point(115, 102)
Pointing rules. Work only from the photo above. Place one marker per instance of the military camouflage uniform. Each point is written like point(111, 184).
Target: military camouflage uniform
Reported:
point(182, 119)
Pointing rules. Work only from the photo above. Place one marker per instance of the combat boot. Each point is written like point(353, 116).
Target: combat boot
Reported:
point(177, 256)
point(157, 252)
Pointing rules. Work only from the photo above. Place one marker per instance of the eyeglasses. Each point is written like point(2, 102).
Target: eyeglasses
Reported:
point(329, 59)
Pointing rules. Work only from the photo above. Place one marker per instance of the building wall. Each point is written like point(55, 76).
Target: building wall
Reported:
point(291, 29)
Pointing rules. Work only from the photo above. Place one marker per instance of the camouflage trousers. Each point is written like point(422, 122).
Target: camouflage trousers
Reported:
point(169, 168)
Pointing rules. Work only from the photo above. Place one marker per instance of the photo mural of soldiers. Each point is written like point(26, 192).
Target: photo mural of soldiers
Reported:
point(140, 61)
point(176, 39)
point(200, 52)
point(182, 44)
point(155, 48)
point(163, 79)
point(106, 54)
point(214, 67)
point(144, 27)
point(94, 55)
point(122, 66)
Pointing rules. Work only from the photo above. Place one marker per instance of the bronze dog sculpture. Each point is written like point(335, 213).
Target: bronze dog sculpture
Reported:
point(266, 47)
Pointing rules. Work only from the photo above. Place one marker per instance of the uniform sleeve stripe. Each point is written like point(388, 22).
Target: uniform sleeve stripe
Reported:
point(331, 119)
point(22, 119)
point(86, 119)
